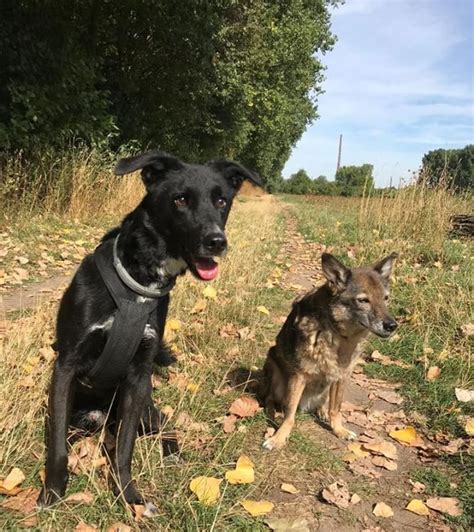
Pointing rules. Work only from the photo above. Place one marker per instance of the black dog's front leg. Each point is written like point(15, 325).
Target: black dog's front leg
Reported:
point(133, 396)
point(57, 423)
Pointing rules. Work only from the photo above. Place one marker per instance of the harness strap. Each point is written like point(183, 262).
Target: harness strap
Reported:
point(127, 329)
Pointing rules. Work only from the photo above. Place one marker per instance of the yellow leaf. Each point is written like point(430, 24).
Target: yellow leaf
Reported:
point(407, 435)
point(192, 387)
point(469, 426)
point(257, 507)
point(417, 507)
point(243, 472)
point(13, 479)
point(209, 292)
point(357, 450)
point(289, 488)
point(382, 510)
point(173, 325)
point(263, 310)
point(206, 488)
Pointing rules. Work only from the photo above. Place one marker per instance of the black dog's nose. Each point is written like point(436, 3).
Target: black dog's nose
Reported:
point(389, 324)
point(215, 242)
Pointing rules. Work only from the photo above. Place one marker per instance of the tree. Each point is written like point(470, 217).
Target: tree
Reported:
point(299, 183)
point(355, 180)
point(228, 78)
point(451, 168)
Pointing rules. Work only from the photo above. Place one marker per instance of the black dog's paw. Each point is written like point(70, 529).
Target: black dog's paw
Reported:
point(164, 357)
point(129, 493)
point(151, 421)
point(48, 497)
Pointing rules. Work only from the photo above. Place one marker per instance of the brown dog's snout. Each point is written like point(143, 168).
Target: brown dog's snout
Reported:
point(389, 324)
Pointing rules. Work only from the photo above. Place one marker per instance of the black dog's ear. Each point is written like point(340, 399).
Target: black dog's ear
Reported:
point(153, 165)
point(335, 272)
point(384, 266)
point(235, 173)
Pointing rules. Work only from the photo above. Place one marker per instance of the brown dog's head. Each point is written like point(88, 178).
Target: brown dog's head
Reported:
point(361, 294)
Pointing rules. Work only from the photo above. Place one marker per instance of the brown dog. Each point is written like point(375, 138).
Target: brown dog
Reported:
point(321, 341)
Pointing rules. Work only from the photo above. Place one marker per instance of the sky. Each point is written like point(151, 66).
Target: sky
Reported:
point(399, 83)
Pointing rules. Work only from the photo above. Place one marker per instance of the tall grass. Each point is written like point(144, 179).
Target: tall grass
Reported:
point(77, 183)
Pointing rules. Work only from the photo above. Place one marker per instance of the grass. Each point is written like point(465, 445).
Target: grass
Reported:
point(430, 296)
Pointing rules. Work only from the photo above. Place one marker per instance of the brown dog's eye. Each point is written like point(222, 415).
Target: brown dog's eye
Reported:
point(180, 201)
point(221, 203)
point(363, 300)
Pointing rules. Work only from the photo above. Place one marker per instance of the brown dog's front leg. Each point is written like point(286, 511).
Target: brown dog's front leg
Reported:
point(133, 395)
point(57, 423)
point(296, 385)
point(336, 393)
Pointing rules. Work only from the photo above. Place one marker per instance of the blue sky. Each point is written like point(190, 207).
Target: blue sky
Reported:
point(399, 82)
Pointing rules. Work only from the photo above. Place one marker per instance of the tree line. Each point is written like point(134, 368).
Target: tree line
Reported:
point(228, 78)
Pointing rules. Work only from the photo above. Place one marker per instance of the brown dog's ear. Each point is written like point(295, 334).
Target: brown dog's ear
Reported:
point(384, 266)
point(335, 272)
point(235, 173)
point(153, 166)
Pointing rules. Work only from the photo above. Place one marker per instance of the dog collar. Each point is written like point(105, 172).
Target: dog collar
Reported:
point(129, 281)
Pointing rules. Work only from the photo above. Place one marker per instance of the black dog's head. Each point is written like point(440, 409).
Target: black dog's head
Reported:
point(188, 204)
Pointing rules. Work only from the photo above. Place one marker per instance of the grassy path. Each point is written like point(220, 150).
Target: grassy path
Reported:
point(214, 334)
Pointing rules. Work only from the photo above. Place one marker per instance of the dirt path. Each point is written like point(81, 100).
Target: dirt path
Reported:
point(371, 417)
point(32, 295)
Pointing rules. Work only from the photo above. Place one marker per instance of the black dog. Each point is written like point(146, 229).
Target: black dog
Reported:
point(178, 225)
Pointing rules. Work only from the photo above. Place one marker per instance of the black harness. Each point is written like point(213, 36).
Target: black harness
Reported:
point(129, 323)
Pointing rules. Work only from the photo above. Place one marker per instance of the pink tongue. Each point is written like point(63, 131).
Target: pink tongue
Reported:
point(207, 269)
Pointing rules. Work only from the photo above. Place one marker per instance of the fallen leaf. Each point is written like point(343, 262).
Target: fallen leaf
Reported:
point(417, 487)
point(382, 510)
point(464, 395)
point(186, 423)
point(228, 330)
point(244, 406)
point(13, 479)
point(229, 423)
point(263, 310)
point(283, 524)
point(206, 488)
point(408, 435)
point(257, 507)
point(24, 502)
point(83, 497)
point(23, 260)
point(383, 448)
point(209, 292)
point(243, 472)
point(446, 505)
point(469, 426)
point(433, 373)
point(289, 488)
point(389, 396)
point(246, 333)
point(417, 507)
point(356, 448)
point(173, 324)
point(365, 467)
point(84, 527)
point(337, 494)
point(200, 306)
point(380, 461)
point(467, 329)
point(192, 387)
point(355, 499)
point(119, 527)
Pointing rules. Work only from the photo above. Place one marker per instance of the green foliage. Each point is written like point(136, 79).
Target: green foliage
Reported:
point(451, 168)
point(299, 183)
point(237, 79)
point(355, 180)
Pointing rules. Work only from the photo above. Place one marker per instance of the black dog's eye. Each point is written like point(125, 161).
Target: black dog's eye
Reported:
point(221, 203)
point(180, 201)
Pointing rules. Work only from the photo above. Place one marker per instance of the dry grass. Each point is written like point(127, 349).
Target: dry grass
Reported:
point(205, 358)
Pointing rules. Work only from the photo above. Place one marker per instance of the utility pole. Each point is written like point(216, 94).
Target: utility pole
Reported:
point(339, 154)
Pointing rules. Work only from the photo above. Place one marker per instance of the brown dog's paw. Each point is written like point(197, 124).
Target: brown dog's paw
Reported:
point(273, 443)
point(345, 434)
